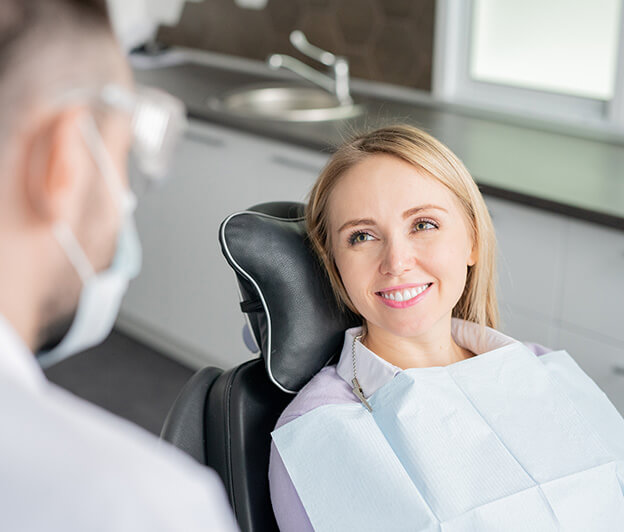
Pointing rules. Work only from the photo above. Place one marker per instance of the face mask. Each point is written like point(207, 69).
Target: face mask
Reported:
point(102, 292)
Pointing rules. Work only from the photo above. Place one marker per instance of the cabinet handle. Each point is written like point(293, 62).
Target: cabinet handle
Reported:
point(296, 164)
point(618, 370)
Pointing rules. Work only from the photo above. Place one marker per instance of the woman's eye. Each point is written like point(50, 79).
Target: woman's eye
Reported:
point(424, 225)
point(359, 237)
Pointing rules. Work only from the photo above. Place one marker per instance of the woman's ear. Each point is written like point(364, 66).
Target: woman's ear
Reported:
point(54, 158)
point(474, 253)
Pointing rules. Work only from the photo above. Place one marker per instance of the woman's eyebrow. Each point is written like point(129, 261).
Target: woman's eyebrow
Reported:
point(415, 210)
point(406, 214)
point(352, 223)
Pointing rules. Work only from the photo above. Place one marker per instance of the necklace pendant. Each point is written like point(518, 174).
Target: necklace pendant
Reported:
point(357, 390)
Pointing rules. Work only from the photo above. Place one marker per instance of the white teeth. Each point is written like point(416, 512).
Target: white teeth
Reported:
point(405, 295)
point(421, 289)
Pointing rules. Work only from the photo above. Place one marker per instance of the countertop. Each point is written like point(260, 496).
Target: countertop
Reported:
point(568, 174)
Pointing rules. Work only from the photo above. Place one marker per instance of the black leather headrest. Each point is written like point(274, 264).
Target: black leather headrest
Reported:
point(285, 292)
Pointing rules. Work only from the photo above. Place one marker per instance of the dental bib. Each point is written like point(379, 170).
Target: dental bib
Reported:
point(503, 441)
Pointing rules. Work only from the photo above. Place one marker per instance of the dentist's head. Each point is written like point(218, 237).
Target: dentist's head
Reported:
point(70, 116)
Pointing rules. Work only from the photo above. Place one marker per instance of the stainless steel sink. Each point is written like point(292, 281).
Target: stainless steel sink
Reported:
point(284, 103)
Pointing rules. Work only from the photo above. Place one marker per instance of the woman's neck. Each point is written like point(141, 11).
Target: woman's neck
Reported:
point(433, 348)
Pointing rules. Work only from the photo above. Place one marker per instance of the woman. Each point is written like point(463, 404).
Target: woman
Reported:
point(432, 419)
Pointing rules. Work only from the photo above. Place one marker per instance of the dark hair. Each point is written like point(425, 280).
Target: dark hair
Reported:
point(47, 46)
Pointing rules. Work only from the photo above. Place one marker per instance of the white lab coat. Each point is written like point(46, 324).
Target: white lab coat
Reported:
point(68, 465)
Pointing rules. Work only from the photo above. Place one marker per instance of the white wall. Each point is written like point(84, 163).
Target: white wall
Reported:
point(136, 21)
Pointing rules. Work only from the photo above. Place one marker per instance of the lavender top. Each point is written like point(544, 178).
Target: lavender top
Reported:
point(332, 386)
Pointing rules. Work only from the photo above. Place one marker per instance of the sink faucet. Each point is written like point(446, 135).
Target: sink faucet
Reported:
point(338, 84)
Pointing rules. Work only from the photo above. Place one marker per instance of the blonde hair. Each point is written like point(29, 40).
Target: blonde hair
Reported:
point(478, 300)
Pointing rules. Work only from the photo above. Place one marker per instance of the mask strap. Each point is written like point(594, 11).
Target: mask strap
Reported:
point(73, 250)
point(101, 157)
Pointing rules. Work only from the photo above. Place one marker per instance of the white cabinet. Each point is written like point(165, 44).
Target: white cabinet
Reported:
point(592, 310)
point(288, 173)
point(530, 256)
point(561, 284)
point(602, 361)
point(526, 327)
point(530, 259)
point(185, 302)
point(593, 288)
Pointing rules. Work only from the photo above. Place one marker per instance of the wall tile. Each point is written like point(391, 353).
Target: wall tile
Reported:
point(393, 52)
point(284, 15)
point(384, 40)
point(356, 20)
point(397, 8)
point(320, 27)
point(254, 35)
point(360, 66)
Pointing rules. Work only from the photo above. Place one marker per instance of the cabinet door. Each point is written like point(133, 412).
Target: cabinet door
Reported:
point(530, 259)
point(593, 293)
point(186, 300)
point(290, 172)
point(603, 361)
point(524, 326)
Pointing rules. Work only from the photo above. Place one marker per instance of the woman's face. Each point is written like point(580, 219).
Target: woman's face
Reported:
point(401, 245)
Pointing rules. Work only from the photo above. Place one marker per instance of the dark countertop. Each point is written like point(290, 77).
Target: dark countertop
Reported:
point(567, 174)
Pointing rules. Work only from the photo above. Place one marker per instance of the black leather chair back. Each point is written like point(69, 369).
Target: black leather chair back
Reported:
point(286, 292)
point(224, 419)
point(241, 411)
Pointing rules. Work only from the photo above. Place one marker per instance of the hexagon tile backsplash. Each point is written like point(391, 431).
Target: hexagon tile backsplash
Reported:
point(384, 40)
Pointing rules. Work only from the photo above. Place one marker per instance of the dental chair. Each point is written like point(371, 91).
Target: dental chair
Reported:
point(224, 418)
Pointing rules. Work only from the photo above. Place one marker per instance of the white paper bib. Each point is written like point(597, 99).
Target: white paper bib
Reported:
point(503, 441)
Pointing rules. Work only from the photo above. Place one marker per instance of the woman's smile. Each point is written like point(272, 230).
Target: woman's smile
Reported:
point(403, 296)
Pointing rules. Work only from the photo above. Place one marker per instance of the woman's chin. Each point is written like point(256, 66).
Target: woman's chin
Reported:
point(407, 329)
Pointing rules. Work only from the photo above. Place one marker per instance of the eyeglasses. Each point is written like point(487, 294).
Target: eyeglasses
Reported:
point(157, 120)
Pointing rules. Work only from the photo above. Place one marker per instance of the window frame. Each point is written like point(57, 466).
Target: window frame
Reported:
point(451, 81)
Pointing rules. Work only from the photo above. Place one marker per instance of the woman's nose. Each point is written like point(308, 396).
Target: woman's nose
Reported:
point(397, 258)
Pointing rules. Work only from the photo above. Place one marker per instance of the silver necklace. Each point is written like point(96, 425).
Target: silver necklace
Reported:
point(357, 389)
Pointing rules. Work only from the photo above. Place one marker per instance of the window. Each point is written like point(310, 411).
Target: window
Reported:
point(559, 59)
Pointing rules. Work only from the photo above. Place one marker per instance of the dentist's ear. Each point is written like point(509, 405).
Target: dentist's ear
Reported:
point(54, 161)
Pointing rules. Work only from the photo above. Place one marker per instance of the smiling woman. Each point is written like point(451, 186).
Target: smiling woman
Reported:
point(431, 418)
point(403, 267)
point(426, 166)
point(394, 213)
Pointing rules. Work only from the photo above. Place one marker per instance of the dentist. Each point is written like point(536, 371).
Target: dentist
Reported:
point(68, 247)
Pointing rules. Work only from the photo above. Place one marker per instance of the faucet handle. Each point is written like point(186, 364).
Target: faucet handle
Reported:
point(301, 43)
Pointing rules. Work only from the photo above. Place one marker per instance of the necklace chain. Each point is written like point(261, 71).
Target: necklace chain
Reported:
point(356, 339)
point(357, 389)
